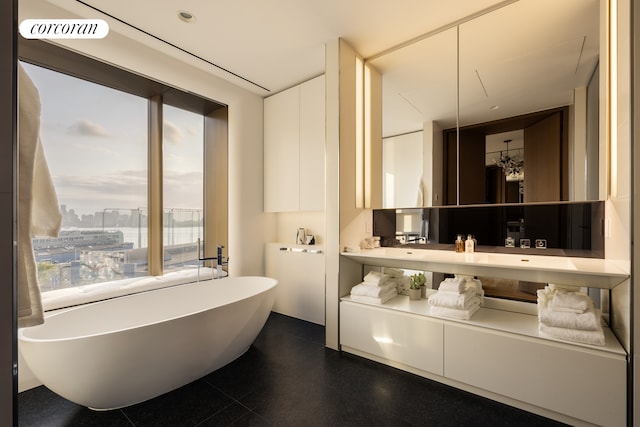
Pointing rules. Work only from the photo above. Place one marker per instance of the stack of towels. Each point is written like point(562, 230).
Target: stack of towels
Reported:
point(376, 288)
point(457, 297)
point(398, 277)
point(568, 315)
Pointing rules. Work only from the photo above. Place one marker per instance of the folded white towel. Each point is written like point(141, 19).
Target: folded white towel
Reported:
point(457, 285)
point(587, 321)
point(451, 300)
point(371, 300)
point(393, 272)
point(365, 289)
point(563, 302)
point(577, 302)
point(376, 278)
point(575, 335)
point(456, 313)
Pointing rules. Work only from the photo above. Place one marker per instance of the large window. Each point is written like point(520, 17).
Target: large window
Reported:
point(96, 143)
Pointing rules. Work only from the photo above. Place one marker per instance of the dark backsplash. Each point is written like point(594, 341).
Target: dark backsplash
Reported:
point(569, 228)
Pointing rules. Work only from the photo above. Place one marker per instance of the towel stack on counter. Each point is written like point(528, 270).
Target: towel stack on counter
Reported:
point(398, 277)
point(376, 288)
point(458, 297)
point(568, 315)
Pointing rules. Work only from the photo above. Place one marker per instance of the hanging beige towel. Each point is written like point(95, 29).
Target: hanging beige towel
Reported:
point(38, 209)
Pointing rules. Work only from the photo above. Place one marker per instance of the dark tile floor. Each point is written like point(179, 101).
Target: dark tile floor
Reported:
point(288, 378)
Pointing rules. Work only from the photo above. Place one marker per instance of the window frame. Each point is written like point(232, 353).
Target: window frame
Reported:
point(59, 59)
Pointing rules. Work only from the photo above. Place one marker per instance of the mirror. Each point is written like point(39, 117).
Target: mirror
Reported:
point(528, 56)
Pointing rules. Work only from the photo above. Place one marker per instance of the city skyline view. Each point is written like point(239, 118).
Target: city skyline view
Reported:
point(117, 217)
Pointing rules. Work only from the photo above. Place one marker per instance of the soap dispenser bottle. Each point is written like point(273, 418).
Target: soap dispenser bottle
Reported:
point(459, 244)
point(469, 245)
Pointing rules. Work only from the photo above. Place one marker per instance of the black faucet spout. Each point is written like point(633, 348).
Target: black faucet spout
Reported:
point(219, 258)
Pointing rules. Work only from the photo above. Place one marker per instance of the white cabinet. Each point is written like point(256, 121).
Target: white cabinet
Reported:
point(282, 151)
point(587, 385)
point(294, 142)
point(299, 271)
point(312, 144)
point(412, 340)
point(581, 382)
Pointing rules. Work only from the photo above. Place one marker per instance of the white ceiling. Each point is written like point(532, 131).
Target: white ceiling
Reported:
point(268, 46)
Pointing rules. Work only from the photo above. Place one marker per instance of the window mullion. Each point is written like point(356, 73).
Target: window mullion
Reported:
point(155, 192)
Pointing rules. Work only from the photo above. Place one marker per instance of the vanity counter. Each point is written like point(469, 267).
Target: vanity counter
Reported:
point(588, 272)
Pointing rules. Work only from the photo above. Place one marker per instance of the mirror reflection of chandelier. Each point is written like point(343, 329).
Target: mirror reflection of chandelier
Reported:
point(512, 166)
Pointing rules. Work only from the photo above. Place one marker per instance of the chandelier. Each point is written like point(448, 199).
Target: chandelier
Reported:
point(512, 166)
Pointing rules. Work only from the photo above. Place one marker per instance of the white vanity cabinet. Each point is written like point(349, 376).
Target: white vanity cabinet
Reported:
point(498, 353)
point(581, 383)
point(560, 380)
point(294, 141)
point(411, 340)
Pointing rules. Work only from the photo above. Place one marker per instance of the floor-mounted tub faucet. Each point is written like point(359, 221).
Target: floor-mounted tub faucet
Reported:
point(202, 259)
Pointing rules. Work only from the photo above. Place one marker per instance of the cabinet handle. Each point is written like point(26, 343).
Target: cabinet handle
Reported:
point(302, 250)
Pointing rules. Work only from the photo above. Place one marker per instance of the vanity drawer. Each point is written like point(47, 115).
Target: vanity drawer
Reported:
point(412, 340)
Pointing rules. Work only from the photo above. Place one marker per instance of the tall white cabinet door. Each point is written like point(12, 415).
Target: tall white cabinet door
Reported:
point(312, 144)
point(282, 151)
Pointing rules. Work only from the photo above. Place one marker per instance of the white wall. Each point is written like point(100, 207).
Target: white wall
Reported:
point(618, 207)
point(287, 223)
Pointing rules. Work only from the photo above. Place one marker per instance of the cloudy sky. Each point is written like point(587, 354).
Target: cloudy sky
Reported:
point(95, 142)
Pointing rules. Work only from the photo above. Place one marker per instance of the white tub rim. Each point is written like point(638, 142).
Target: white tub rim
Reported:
point(87, 306)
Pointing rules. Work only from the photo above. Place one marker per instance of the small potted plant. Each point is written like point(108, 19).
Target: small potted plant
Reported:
point(416, 283)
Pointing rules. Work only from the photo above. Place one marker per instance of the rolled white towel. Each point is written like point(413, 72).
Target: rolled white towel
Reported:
point(376, 278)
point(575, 302)
point(457, 313)
point(585, 337)
point(365, 289)
point(587, 321)
point(452, 300)
point(456, 285)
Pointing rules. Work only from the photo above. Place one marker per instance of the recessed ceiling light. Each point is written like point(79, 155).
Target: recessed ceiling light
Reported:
point(185, 16)
point(494, 107)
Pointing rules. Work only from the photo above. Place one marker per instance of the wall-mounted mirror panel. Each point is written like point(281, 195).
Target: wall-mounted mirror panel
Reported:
point(526, 57)
point(419, 84)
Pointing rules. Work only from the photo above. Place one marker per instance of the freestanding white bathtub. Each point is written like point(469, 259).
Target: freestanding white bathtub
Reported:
point(126, 350)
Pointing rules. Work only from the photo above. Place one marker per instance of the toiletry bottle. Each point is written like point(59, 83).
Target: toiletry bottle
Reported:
point(468, 245)
point(459, 244)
